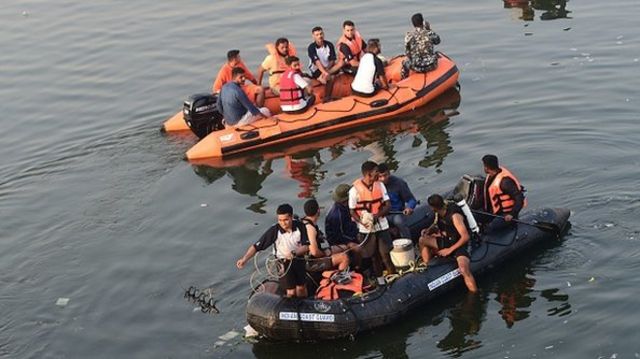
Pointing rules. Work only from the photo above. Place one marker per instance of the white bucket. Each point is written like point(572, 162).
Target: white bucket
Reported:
point(402, 253)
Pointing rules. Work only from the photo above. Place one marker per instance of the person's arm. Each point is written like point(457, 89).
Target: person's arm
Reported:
point(264, 66)
point(508, 186)
point(303, 84)
point(407, 45)
point(348, 56)
point(217, 84)
point(386, 204)
point(458, 222)
point(433, 37)
point(380, 71)
point(247, 104)
point(353, 202)
point(248, 73)
point(304, 241)
point(314, 249)
point(266, 240)
point(408, 198)
point(219, 102)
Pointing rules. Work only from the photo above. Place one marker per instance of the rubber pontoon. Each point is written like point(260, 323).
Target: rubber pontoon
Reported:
point(280, 318)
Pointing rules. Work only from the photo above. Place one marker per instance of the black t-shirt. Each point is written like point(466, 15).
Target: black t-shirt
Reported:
point(312, 51)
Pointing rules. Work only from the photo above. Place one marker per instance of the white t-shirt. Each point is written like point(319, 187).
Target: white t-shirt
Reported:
point(382, 221)
point(365, 77)
point(302, 83)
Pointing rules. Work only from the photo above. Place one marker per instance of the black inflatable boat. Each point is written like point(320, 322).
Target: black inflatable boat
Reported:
point(280, 318)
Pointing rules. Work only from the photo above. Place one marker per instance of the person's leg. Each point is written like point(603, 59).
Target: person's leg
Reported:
point(398, 221)
point(287, 280)
point(259, 96)
point(328, 89)
point(340, 260)
point(384, 248)
point(427, 244)
point(465, 271)
point(300, 274)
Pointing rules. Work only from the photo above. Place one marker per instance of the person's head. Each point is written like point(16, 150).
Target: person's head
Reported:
point(417, 20)
point(349, 29)
point(238, 75)
point(341, 193)
point(282, 46)
point(383, 173)
point(436, 202)
point(318, 34)
point(373, 46)
point(490, 164)
point(369, 172)
point(293, 62)
point(233, 57)
point(311, 208)
point(285, 216)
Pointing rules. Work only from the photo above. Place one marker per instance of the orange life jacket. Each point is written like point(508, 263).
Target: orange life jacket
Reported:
point(290, 93)
point(368, 200)
point(277, 64)
point(355, 45)
point(500, 201)
point(328, 289)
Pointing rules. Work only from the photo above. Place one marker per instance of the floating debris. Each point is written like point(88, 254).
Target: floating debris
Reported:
point(555, 63)
point(566, 29)
point(62, 302)
point(25, 13)
point(568, 284)
point(203, 205)
point(585, 54)
point(528, 33)
point(249, 332)
point(592, 279)
point(573, 49)
point(229, 335)
point(620, 37)
point(548, 347)
point(619, 42)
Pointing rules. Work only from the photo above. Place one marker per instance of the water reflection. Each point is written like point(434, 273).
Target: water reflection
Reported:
point(304, 161)
point(550, 9)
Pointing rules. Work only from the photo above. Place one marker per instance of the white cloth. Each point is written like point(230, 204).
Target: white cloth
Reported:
point(382, 221)
point(249, 118)
point(301, 83)
point(363, 82)
point(286, 242)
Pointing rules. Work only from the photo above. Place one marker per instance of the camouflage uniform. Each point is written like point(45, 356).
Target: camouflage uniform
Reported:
point(418, 45)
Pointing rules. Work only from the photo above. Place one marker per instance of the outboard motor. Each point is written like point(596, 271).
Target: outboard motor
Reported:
point(201, 114)
point(471, 188)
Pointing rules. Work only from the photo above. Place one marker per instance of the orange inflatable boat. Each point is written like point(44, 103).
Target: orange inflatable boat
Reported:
point(325, 118)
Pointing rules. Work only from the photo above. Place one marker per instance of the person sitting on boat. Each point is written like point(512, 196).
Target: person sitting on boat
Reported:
point(235, 106)
point(403, 202)
point(418, 44)
point(350, 47)
point(296, 93)
point(503, 196)
point(290, 243)
point(254, 92)
point(340, 228)
point(369, 204)
point(322, 61)
point(275, 64)
point(370, 76)
point(323, 256)
point(448, 237)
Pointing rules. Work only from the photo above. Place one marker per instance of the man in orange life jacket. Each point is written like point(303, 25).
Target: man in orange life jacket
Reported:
point(290, 244)
point(350, 47)
point(448, 237)
point(275, 64)
point(254, 92)
point(293, 89)
point(369, 204)
point(503, 195)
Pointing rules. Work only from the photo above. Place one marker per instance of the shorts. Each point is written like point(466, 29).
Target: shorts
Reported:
point(295, 273)
point(381, 239)
point(444, 242)
point(319, 264)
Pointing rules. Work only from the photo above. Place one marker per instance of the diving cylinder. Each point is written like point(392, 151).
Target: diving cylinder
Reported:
point(467, 213)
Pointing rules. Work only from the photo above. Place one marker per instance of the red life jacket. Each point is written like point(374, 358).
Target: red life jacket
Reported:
point(328, 289)
point(501, 202)
point(368, 200)
point(290, 93)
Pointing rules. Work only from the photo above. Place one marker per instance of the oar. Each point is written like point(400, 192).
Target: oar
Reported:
point(545, 226)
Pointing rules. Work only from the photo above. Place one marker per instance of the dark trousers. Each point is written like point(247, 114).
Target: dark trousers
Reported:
point(377, 248)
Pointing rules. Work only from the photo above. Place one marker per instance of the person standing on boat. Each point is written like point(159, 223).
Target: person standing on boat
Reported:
point(323, 256)
point(448, 237)
point(340, 228)
point(275, 64)
point(503, 196)
point(296, 93)
point(369, 204)
point(350, 47)
point(251, 89)
point(403, 202)
point(290, 243)
point(418, 45)
point(235, 106)
point(370, 76)
point(322, 61)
